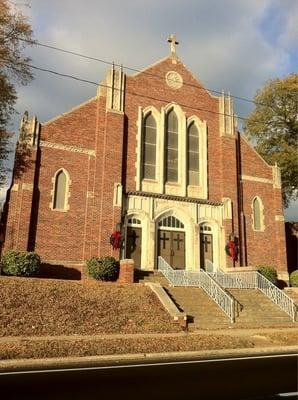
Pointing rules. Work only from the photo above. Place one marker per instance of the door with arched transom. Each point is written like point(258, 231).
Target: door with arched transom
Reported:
point(171, 242)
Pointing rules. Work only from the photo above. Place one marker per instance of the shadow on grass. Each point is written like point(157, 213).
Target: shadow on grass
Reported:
point(52, 271)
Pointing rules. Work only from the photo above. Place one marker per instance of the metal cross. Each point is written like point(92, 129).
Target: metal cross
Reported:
point(206, 241)
point(163, 239)
point(178, 240)
point(173, 42)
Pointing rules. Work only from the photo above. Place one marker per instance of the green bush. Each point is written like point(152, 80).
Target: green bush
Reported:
point(103, 268)
point(20, 263)
point(294, 278)
point(269, 273)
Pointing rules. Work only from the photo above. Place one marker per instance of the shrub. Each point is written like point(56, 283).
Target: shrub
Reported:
point(294, 278)
point(269, 273)
point(103, 268)
point(20, 263)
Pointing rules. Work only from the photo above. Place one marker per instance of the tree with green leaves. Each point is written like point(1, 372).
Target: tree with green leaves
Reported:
point(13, 68)
point(273, 126)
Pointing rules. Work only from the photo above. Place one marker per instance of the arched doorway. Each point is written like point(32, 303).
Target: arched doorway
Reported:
point(171, 241)
point(206, 247)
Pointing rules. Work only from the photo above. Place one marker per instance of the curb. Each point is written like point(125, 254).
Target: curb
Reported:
point(46, 364)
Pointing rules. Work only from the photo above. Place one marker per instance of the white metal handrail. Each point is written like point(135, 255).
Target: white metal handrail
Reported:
point(178, 277)
point(202, 280)
point(277, 296)
point(223, 299)
point(255, 280)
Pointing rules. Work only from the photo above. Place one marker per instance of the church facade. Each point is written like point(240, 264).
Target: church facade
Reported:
point(157, 157)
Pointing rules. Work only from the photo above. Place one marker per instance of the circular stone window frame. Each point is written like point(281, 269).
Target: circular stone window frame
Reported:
point(174, 80)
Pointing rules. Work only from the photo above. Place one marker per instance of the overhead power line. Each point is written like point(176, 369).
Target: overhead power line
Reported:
point(6, 61)
point(133, 69)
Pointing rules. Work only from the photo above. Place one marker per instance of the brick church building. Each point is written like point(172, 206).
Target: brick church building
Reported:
point(158, 157)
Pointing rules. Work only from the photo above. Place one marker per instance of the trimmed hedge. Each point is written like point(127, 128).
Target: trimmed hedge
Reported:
point(294, 278)
point(20, 263)
point(103, 268)
point(269, 273)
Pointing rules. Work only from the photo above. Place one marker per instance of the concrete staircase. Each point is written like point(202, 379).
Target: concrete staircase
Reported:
point(257, 310)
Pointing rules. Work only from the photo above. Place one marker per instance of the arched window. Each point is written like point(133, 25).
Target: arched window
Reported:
point(171, 145)
point(257, 214)
point(171, 222)
point(149, 147)
point(60, 191)
point(193, 155)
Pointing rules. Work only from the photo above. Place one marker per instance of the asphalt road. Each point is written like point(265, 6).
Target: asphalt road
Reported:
point(235, 378)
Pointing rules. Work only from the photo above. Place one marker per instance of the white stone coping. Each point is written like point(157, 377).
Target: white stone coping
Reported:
point(166, 301)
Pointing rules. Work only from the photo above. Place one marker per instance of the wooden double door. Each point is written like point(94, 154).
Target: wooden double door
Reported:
point(171, 247)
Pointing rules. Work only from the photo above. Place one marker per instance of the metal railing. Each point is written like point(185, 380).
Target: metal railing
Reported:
point(236, 280)
point(178, 277)
point(202, 280)
point(255, 280)
point(223, 299)
point(277, 296)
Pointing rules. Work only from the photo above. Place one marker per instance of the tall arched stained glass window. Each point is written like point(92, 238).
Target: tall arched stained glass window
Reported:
point(149, 147)
point(60, 191)
point(171, 153)
point(193, 154)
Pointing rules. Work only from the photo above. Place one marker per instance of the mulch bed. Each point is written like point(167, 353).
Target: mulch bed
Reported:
point(34, 306)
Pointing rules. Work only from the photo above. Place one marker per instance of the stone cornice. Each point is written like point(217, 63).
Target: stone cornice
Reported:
point(175, 198)
point(256, 179)
point(67, 147)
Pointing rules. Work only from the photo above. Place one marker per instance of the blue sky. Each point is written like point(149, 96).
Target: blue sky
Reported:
point(235, 45)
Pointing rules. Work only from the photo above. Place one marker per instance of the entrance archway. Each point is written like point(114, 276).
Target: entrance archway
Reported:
point(134, 240)
point(171, 241)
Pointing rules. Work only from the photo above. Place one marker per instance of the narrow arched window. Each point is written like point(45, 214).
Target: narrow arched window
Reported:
point(171, 155)
point(60, 191)
point(193, 154)
point(149, 147)
point(257, 214)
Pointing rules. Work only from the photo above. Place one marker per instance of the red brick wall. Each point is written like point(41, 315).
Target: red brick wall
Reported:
point(84, 230)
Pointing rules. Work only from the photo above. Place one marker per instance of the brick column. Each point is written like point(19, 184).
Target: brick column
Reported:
point(126, 273)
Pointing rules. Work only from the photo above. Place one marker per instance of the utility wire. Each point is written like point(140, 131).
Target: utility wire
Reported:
point(126, 91)
point(132, 69)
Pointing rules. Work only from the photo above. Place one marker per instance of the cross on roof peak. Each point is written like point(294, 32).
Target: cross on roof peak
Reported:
point(173, 42)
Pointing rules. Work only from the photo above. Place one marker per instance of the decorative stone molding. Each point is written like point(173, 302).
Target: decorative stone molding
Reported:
point(67, 147)
point(227, 118)
point(27, 186)
point(276, 177)
point(256, 179)
point(15, 187)
point(174, 80)
point(279, 218)
point(115, 89)
point(227, 208)
point(117, 199)
point(29, 130)
point(90, 195)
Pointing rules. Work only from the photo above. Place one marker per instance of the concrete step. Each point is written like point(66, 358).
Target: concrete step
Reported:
point(257, 308)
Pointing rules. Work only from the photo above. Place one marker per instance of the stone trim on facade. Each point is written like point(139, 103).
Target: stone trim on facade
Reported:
point(175, 198)
point(67, 147)
point(256, 179)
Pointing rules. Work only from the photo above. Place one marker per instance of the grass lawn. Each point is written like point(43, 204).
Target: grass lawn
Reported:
point(39, 307)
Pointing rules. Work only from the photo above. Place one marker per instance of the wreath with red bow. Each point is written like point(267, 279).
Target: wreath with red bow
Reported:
point(232, 250)
point(116, 240)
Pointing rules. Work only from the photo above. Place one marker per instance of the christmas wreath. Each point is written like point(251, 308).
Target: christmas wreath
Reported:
point(116, 240)
point(232, 250)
